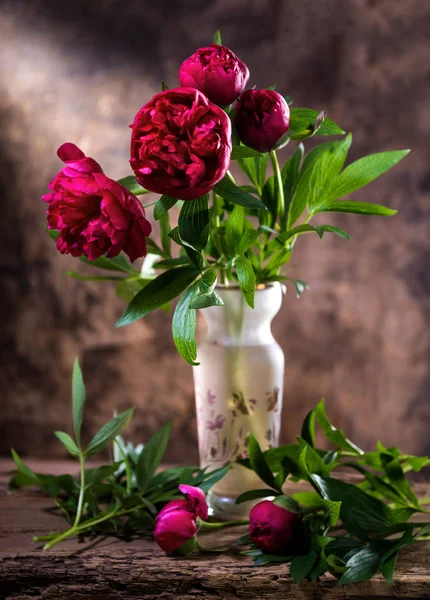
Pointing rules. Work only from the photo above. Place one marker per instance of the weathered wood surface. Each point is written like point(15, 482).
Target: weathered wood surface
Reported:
point(111, 569)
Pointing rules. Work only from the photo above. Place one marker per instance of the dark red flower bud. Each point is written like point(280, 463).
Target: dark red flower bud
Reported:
point(271, 527)
point(262, 118)
point(217, 72)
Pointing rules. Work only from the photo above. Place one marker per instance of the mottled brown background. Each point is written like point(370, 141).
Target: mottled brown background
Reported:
point(78, 72)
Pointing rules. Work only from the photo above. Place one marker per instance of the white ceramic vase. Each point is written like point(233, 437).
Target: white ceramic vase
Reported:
point(238, 388)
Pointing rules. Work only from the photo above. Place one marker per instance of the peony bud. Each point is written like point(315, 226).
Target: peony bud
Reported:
point(196, 499)
point(271, 527)
point(174, 528)
point(262, 118)
point(216, 72)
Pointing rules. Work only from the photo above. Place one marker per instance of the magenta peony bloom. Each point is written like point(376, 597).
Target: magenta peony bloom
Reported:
point(93, 214)
point(216, 72)
point(181, 144)
point(271, 527)
point(174, 505)
point(196, 499)
point(262, 118)
point(174, 528)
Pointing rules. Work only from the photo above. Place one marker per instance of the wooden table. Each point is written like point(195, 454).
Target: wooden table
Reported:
point(111, 569)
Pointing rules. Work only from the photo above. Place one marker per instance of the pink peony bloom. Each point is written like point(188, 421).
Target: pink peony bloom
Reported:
point(216, 72)
point(271, 527)
point(180, 144)
point(196, 499)
point(262, 118)
point(175, 505)
point(174, 528)
point(93, 214)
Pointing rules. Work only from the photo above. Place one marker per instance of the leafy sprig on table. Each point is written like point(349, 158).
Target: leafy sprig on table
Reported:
point(350, 530)
point(119, 498)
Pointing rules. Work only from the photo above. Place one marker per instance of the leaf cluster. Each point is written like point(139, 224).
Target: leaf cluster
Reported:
point(351, 530)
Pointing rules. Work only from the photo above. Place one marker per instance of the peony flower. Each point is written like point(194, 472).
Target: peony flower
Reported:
point(196, 499)
point(93, 214)
point(216, 72)
point(262, 118)
point(174, 529)
point(180, 144)
point(271, 527)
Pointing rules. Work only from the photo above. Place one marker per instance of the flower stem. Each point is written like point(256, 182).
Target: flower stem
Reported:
point(205, 525)
point(279, 186)
point(81, 491)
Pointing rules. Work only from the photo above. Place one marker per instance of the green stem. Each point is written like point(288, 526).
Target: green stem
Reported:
point(128, 472)
point(149, 205)
point(279, 186)
point(205, 525)
point(81, 491)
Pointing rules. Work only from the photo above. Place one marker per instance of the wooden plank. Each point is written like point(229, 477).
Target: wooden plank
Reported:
point(108, 568)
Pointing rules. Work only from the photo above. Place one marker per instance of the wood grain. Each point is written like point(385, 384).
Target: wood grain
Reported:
point(110, 569)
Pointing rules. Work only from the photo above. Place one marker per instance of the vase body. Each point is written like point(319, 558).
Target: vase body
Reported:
point(238, 389)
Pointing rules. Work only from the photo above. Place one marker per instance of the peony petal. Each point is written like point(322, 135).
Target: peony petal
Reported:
point(197, 500)
point(174, 528)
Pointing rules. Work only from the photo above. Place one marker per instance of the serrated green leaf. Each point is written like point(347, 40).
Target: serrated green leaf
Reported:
point(231, 192)
point(78, 400)
point(130, 182)
point(258, 462)
point(108, 432)
point(358, 208)
point(151, 456)
point(193, 222)
point(158, 292)
point(301, 566)
point(163, 206)
point(246, 278)
point(184, 326)
point(68, 443)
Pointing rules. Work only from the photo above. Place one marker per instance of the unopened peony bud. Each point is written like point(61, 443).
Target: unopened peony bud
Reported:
point(216, 72)
point(271, 527)
point(262, 118)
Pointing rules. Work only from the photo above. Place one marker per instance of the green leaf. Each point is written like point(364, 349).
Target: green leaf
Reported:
point(358, 208)
point(206, 300)
point(77, 275)
point(163, 206)
point(217, 37)
point(254, 495)
point(301, 566)
point(244, 152)
point(118, 263)
point(300, 286)
point(130, 182)
point(68, 443)
point(320, 165)
point(246, 278)
point(290, 175)
point(246, 241)
point(360, 513)
point(151, 456)
point(303, 119)
point(213, 477)
point(184, 326)
point(310, 130)
point(158, 292)
point(336, 565)
point(108, 432)
point(78, 400)
point(22, 468)
point(333, 511)
point(193, 222)
point(387, 568)
point(258, 462)
point(308, 428)
point(314, 462)
point(270, 199)
point(397, 478)
point(207, 282)
point(231, 192)
point(361, 172)
point(334, 435)
point(361, 566)
point(287, 503)
point(130, 286)
point(234, 229)
point(166, 240)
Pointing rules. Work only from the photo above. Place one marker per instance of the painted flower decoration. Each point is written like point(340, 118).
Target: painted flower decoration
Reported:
point(180, 144)
point(93, 214)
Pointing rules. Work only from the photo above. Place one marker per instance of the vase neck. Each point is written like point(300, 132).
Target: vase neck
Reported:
point(236, 323)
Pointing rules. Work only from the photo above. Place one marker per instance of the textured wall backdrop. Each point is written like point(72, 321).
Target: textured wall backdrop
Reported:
point(79, 72)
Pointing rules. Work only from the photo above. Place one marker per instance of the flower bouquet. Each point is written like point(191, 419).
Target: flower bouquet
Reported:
point(229, 249)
